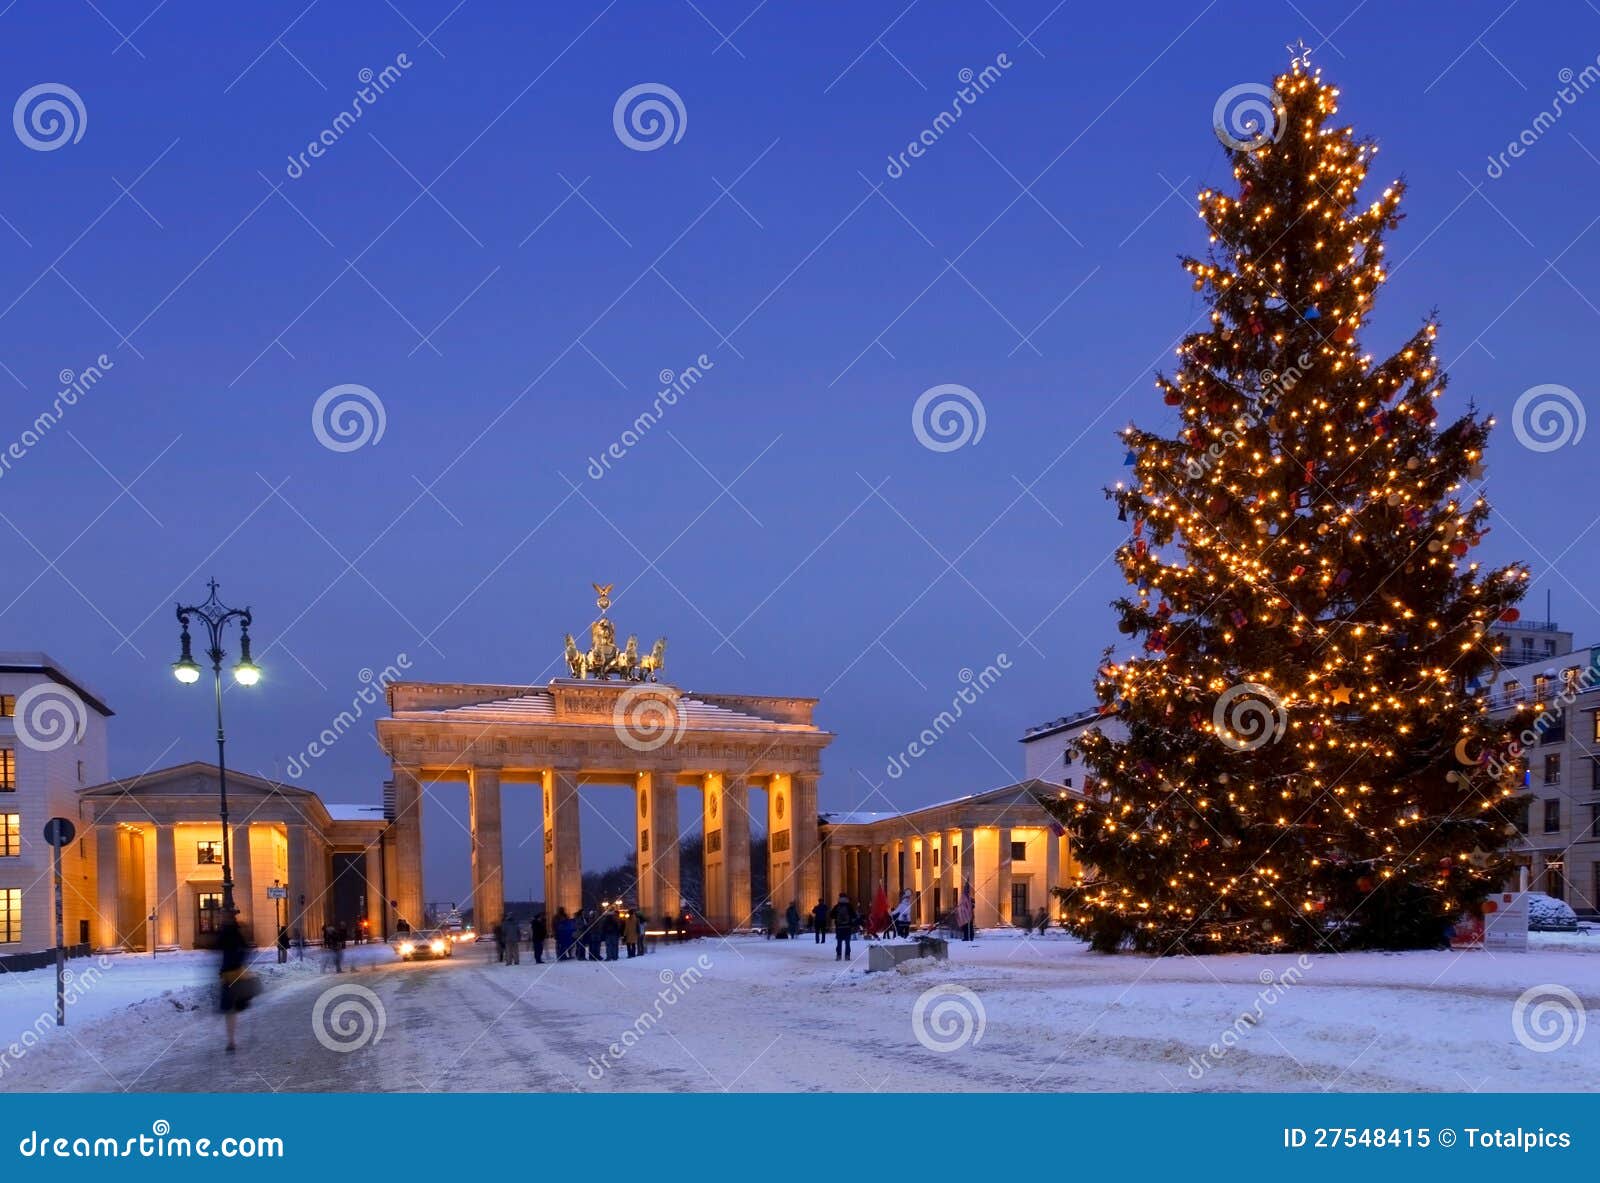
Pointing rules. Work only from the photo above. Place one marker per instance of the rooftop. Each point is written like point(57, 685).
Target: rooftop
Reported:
point(31, 662)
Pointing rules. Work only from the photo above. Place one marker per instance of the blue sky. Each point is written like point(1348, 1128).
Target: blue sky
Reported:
point(484, 253)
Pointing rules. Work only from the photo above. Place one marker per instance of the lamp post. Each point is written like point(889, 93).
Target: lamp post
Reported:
point(214, 614)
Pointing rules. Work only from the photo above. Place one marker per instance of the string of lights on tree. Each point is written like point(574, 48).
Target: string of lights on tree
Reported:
point(1312, 623)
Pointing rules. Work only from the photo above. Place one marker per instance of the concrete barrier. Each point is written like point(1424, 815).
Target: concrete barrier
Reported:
point(883, 956)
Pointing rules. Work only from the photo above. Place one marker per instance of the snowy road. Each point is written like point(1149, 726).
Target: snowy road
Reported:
point(749, 1015)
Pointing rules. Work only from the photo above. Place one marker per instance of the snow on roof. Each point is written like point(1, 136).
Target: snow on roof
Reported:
point(355, 813)
point(856, 817)
point(1064, 723)
point(538, 706)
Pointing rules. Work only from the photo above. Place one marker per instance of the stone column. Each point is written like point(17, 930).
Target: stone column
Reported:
point(316, 864)
point(780, 841)
point(969, 862)
point(896, 876)
point(563, 846)
point(835, 877)
point(166, 887)
point(244, 899)
point(300, 887)
point(656, 802)
point(407, 889)
point(1002, 877)
point(807, 840)
point(1052, 870)
point(736, 846)
point(488, 851)
point(108, 887)
point(372, 868)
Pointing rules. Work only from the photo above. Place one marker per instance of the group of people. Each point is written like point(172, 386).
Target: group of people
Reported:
point(590, 935)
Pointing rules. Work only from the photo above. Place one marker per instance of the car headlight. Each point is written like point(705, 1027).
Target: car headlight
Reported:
point(437, 946)
point(407, 948)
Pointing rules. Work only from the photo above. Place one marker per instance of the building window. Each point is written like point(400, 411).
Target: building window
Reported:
point(1552, 815)
point(1019, 902)
point(208, 854)
point(208, 912)
point(1594, 822)
point(1595, 715)
point(1520, 817)
point(8, 770)
point(1552, 726)
point(918, 860)
point(10, 914)
point(1569, 679)
point(1594, 773)
point(11, 835)
point(935, 858)
point(8, 705)
point(1513, 691)
point(1555, 879)
point(1019, 852)
point(1541, 687)
point(1552, 769)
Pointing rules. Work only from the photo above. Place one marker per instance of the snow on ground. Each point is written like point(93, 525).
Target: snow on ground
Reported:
point(1006, 1013)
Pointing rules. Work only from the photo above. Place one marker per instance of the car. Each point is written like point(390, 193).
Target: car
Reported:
point(1548, 914)
point(422, 946)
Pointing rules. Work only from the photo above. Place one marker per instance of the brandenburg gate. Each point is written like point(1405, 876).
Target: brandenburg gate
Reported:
point(636, 731)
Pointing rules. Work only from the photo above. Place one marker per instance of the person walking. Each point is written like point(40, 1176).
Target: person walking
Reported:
point(511, 938)
point(630, 933)
point(538, 933)
point(1042, 920)
point(902, 915)
point(564, 931)
point(964, 911)
point(819, 922)
point(237, 981)
point(791, 918)
point(500, 943)
point(611, 933)
point(283, 945)
point(844, 922)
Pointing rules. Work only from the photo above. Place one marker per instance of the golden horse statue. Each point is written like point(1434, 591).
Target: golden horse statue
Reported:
point(652, 663)
point(577, 661)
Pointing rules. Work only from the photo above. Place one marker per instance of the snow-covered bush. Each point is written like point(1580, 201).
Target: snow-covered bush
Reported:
point(1548, 914)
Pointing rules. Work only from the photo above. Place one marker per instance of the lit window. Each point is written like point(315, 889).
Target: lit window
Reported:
point(1541, 687)
point(1569, 679)
point(10, 914)
point(8, 770)
point(1513, 691)
point(8, 705)
point(10, 835)
point(208, 854)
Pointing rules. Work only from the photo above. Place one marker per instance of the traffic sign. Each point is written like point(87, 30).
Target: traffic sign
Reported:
point(277, 893)
point(58, 831)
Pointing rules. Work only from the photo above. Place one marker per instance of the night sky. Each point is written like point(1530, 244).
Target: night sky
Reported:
point(513, 283)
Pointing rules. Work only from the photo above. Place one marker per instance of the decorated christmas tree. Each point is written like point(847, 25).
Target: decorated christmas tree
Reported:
point(1312, 627)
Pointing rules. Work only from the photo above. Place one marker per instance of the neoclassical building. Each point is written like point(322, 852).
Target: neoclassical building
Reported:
point(1004, 842)
point(649, 738)
point(157, 859)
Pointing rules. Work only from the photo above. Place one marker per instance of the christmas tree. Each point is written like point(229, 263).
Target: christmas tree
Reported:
point(1313, 626)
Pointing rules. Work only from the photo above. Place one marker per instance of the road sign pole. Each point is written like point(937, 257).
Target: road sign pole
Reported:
point(61, 947)
point(58, 831)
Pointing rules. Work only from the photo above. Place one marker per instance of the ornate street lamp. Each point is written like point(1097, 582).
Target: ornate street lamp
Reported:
point(214, 614)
